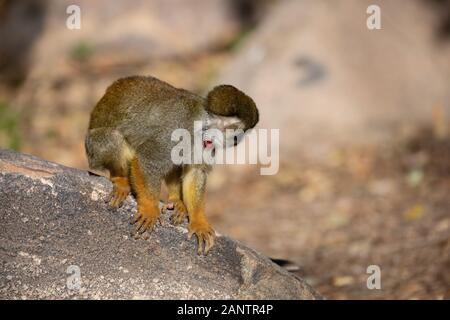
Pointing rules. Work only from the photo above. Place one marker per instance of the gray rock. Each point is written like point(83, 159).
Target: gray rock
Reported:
point(54, 223)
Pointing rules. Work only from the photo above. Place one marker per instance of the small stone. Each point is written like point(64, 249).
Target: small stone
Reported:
point(94, 195)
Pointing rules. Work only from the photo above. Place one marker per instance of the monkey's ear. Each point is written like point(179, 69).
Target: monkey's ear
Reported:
point(226, 100)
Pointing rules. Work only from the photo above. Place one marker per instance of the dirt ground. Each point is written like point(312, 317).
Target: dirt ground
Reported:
point(367, 206)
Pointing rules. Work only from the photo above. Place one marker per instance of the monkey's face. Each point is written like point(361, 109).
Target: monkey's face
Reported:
point(224, 132)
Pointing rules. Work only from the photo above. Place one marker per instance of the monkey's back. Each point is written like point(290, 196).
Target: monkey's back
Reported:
point(143, 108)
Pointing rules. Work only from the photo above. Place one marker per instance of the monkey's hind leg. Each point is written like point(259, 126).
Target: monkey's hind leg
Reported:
point(147, 197)
point(107, 149)
point(175, 202)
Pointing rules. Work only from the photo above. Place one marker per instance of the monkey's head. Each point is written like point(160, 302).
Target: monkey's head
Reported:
point(232, 112)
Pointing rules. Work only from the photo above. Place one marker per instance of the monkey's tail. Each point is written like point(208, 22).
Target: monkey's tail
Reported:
point(226, 100)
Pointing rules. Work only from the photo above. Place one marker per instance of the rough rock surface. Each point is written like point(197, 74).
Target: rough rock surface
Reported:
point(54, 220)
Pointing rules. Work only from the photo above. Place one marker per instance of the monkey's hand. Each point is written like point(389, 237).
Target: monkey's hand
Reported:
point(205, 234)
point(121, 189)
point(179, 210)
point(146, 217)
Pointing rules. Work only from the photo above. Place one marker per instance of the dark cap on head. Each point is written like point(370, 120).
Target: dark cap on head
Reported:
point(226, 100)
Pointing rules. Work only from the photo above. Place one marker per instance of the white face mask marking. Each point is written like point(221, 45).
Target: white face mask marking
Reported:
point(230, 127)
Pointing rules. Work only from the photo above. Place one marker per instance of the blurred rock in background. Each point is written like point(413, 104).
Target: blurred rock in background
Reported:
point(67, 71)
point(25, 18)
point(322, 77)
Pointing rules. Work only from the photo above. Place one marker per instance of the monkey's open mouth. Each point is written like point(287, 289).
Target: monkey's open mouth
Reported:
point(207, 144)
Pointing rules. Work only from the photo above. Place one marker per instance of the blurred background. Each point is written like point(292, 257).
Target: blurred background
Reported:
point(363, 115)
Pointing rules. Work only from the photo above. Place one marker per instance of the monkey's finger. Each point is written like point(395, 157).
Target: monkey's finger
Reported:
point(135, 221)
point(117, 198)
point(112, 200)
point(140, 224)
point(210, 243)
point(110, 196)
point(142, 227)
point(116, 202)
point(137, 226)
point(154, 222)
point(176, 218)
point(147, 225)
point(200, 244)
point(136, 218)
point(207, 242)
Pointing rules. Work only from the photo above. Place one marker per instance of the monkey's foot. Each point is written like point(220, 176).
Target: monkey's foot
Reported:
point(121, 189)
point(145, 220)
point(179, 211)
point(205, 235)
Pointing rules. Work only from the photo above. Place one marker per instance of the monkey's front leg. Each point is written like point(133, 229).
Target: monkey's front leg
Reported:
point(194, 184)
point(147, 198)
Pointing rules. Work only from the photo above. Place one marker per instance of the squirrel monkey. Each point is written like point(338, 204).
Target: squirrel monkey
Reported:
point(130, 136)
